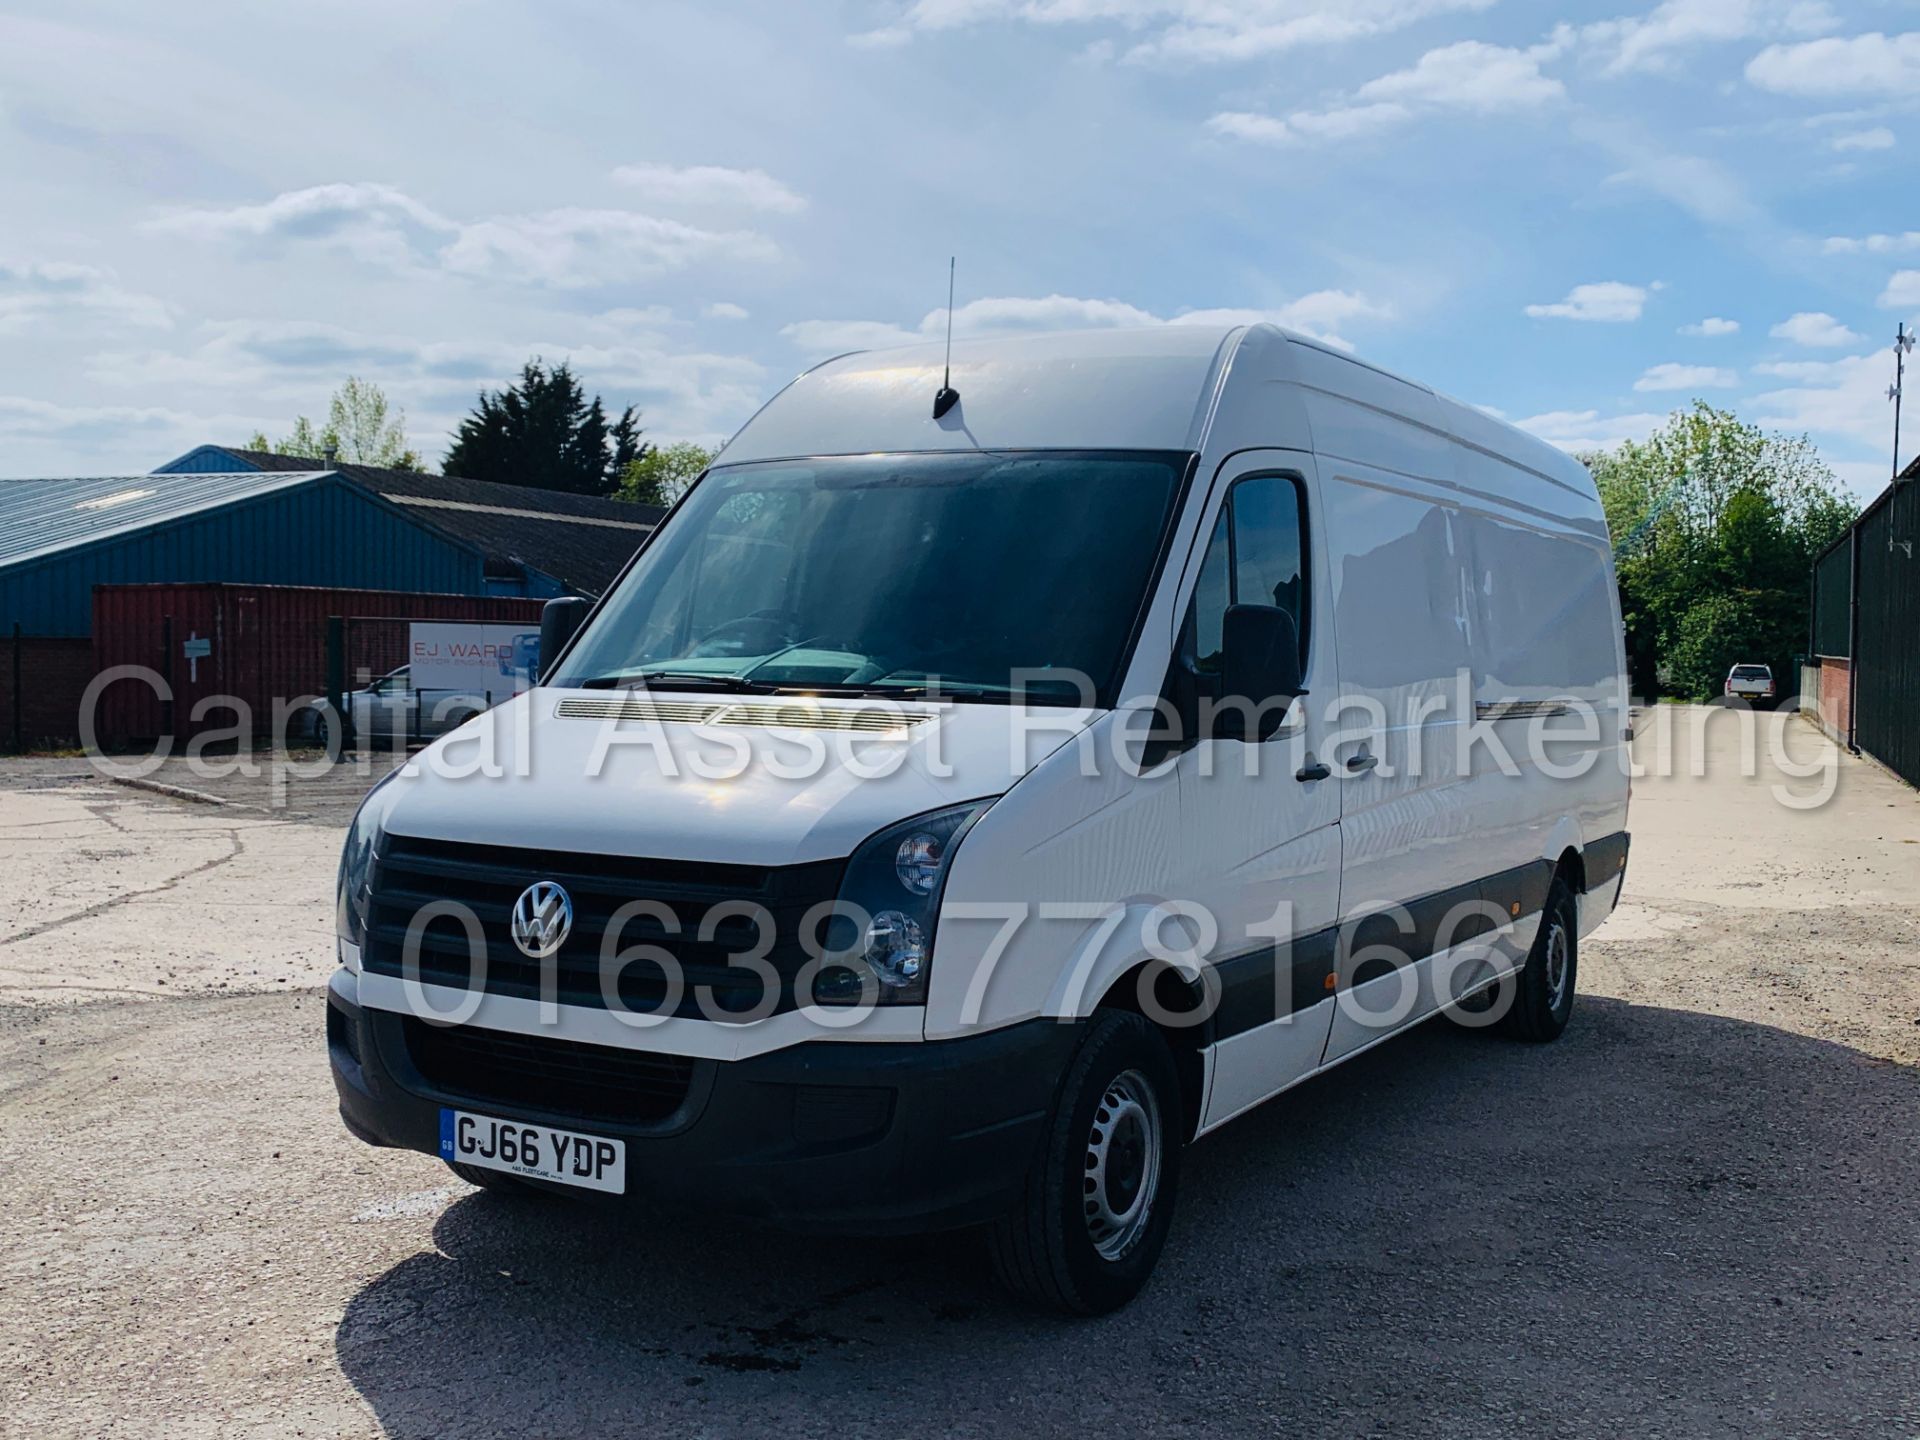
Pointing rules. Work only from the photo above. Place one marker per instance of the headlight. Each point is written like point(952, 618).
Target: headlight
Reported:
point(881, 935)
point(356, 866)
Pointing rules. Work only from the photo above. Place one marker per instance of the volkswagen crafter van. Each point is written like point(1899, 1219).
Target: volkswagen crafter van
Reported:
point(947, 819)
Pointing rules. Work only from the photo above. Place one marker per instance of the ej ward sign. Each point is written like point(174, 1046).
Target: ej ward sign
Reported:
point(476, 659)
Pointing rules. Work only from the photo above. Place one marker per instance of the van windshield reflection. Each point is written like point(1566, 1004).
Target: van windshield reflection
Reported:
point(1010, 577)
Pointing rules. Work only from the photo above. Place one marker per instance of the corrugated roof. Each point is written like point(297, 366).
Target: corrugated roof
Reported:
point(580, 540)
point(41, 516)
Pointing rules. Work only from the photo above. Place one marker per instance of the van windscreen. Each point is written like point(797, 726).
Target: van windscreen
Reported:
point(983, 575)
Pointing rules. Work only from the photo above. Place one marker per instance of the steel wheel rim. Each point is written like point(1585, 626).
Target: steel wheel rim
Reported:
point(1122, 1165)
point(1559, 957)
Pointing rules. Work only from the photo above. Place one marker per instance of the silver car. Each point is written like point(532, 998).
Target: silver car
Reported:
point(1749, 682)
point(391, 712)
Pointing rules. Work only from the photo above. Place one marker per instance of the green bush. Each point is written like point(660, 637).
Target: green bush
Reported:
point(1737, 627)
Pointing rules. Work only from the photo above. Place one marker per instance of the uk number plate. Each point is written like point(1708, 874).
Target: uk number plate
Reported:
point(535, 1151)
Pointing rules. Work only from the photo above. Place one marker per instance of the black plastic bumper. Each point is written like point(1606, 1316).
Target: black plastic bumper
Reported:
point(823, 1136)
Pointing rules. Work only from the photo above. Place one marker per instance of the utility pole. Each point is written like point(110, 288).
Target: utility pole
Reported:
point(1902, 347)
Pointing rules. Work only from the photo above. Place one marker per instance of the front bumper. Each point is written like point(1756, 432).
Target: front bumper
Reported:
point(824, 1136)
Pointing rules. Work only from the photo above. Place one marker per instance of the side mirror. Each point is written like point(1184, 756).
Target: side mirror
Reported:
point(559, 618)
point(1259, 672)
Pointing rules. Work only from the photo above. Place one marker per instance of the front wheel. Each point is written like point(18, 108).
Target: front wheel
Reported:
point(1097, 1204)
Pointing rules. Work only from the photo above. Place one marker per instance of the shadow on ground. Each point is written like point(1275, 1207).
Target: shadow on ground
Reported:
point(1667, 1224)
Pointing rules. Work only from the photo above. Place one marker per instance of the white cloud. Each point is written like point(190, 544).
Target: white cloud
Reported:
point(1814, 329)
point(1579, 431)
point(1341, 123)
point(1872, 244)
point(1211, 32)
point(290, 366)
point(1871, 64)
point(1181, 31)
point(834, 337)
point(1843, 399)
point(1316, 315)
point(1902, 292)
point(725, 310)
point(1878, 138)
point(1811, 371)
point(1471, 76)
point(1607, 300)
point(573, 248)
point(1712, 327)
point(379, 224)
point(1651, 41)
point(711, 185)
point(376, 223)
point(58, 294)
point(1696, 184)
point(1660, 378)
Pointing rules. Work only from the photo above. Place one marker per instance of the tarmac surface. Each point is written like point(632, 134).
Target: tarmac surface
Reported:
point(1694, 1215)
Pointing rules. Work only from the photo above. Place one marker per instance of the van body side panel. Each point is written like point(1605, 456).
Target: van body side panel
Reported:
point(1404, 624)
point(1475, 601)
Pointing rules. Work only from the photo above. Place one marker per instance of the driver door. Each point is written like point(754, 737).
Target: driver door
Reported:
point(1259, 822)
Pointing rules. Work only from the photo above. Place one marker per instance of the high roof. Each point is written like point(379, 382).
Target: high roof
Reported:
point(582, 541)
point(1142, 389)
point(41, 516)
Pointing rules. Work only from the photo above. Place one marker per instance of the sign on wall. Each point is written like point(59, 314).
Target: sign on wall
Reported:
point(472, 658)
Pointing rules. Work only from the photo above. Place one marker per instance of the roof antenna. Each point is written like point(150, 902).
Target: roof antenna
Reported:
point(948, 397)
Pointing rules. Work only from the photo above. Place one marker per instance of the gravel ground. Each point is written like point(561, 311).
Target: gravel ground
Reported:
point(1693, 1216)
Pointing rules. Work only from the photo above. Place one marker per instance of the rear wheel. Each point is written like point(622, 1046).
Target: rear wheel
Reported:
point(1544, 1000)
point(1097, 1204)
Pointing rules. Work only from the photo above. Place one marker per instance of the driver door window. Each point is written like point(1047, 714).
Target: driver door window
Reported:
point(1254, 558)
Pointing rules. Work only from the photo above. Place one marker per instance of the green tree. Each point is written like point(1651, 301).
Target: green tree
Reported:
point(543, 431)
point(363, 428)
point(662, 473)
point(1715, 524)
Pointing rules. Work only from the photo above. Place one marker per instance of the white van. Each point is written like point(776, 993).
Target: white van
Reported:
point(947, 819)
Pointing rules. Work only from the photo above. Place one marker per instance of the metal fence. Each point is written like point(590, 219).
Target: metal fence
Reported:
point(1832, 601)
point(1876, 601)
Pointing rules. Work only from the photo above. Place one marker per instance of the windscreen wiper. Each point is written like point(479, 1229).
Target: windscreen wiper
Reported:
point(680, 680)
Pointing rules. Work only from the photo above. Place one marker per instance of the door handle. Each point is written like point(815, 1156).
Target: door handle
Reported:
point(1315, 771)
point(1362, 763)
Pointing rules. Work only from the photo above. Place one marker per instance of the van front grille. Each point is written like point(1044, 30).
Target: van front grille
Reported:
point(547, 1076)
point(679, 921)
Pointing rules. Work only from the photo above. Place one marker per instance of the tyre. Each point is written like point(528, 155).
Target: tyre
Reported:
point(1543, 1001)
point(1096, 1206)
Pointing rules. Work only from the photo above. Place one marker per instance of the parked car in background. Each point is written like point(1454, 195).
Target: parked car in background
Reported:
point(391, 711)
point(1750, 682)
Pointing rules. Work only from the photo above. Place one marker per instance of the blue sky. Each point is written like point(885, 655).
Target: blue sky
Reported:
point(1580, 216)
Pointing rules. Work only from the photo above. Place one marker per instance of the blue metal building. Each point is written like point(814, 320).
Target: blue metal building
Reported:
point(60, 538)
point(537, 543)
point(220, 514)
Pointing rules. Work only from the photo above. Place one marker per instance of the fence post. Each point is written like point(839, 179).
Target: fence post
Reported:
point(337, 666)
point(166, 674)
point(19, 724)
point(1853, 639)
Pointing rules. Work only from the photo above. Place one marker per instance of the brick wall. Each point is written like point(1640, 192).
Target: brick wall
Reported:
point(1836, 713)
point(53, 674)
